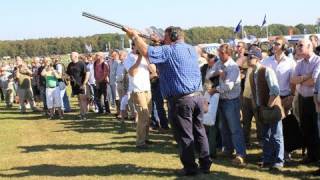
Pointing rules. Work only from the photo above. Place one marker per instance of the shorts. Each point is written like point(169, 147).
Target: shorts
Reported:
point(53, 97)
point(76, 90)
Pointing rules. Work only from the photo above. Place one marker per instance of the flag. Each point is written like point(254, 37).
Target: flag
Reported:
point(238, 28)
point(264, 21)
point(88, 48)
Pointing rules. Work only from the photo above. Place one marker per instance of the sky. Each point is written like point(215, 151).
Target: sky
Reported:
point(33, 19)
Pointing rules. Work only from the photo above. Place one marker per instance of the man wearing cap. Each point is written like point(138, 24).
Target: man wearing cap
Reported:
point(246, 98)
point(265, 91)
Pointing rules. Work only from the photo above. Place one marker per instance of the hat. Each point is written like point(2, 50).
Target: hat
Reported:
point(210, 50)
point(254, 53)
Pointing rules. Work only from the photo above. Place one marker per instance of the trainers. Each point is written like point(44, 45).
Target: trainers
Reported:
point(276, 167)
point(238, 160)
point(316, 173)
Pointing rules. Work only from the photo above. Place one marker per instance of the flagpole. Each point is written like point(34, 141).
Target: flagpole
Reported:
point(242, 31)
point(267, 29)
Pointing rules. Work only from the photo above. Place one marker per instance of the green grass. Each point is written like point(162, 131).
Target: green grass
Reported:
point(32, 147)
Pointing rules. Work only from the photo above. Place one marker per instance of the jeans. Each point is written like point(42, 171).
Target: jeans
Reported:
point(66, 102)
point(158, 113)
point(231, 130)
point(273, 144)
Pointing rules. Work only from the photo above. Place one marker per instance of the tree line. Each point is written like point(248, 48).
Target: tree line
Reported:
point(99, 42)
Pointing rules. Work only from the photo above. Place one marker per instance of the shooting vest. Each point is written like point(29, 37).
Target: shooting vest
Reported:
point(263, 90)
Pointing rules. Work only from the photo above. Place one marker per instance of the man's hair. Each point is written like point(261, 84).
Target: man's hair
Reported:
point(243, 43)
point(281, 38)
point(226, 48)
point(313, 36)
point(175, 31)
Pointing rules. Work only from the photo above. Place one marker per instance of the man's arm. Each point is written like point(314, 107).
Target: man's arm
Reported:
point(274, 89)
point(134, 69)
point(86, 78)
point(44, 72)
point(139, 42)
point(229, 80)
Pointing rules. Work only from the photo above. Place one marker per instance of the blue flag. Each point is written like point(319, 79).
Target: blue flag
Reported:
point(237, 29)
point(264, 20)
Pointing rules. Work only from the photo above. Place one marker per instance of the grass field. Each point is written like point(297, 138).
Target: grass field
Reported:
point(32, 147)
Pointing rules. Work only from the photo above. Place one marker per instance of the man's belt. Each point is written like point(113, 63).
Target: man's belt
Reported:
point(193, 94)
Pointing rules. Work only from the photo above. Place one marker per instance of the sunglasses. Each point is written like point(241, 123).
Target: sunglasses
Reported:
point(299, 45)
point(276, 44)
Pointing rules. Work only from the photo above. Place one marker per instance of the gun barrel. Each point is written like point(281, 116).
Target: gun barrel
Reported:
point(100, 19)
point(111, 23)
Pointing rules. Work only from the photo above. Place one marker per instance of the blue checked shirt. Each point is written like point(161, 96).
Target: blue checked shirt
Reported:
point(179, 72)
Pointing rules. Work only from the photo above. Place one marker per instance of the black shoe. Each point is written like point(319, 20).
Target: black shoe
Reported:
point(149, 142)
point(183, 172)
point(265, 165)
point(154, 128)
point(166, 128)
point(308, 161)
point(205, 171)
point(144, 146)
point(316, 173)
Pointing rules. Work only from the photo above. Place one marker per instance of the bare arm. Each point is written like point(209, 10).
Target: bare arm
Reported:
point(139, 42)
point(134, 69)
point(44, 72)
point(86, 79)
point(310, 82)
point(272, 101)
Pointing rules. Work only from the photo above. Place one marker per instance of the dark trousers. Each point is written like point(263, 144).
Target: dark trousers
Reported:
point(101, 89)
point(158, 112)
point(189, 132)
point(214, 138)
point(247, 114)
point(43, 97)
point(310, 127)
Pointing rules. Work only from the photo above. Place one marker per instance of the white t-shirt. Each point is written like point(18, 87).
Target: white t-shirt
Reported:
point(141, 81)
point(90, 67)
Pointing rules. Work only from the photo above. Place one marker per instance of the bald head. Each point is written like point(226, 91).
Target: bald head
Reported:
point(100, 56)
point(75, 57)
point(123, 55)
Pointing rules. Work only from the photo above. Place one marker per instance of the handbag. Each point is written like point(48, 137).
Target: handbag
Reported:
point(209, 118)
point(270, 115)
